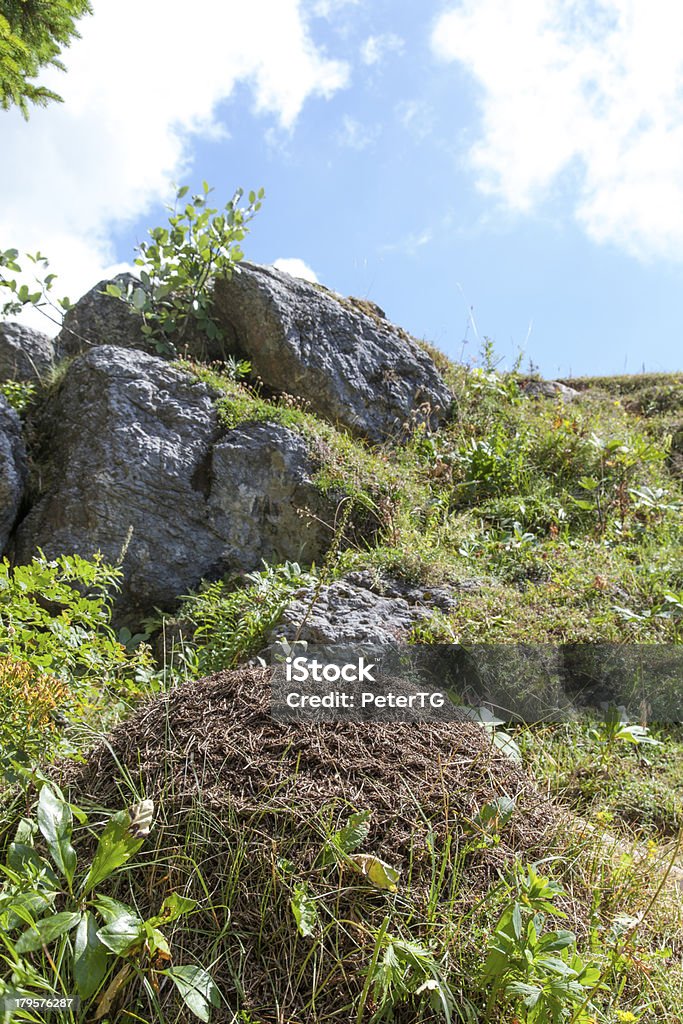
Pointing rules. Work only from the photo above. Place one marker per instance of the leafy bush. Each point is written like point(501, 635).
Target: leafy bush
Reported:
point(230, 624)
point(537, 972)
point(58, 652)
point(179, 264)
point(36, 294)
point(18, 393)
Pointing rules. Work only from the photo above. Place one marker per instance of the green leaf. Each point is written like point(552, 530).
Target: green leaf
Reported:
point(122, 933)
point(495, 814)
point(560, 939)
point(46, 931)
point(516, 921)
point(173, 907)
point(109, 909)
point(156, 941)
point(90, 957)
point(197, 988)
point(348, 838)
point(23, 858)
point(123, 836)
point(55, 823)
point(304, 910)
point(139, 299)
point(354, 832)
point(114, 290)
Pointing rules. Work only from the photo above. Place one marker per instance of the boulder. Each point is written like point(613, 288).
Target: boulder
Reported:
point(138, 467)
point(548, 389)
point(341, 356)
point(12, 470)
point(25, 354)
point(359, 609)
point(100, 319)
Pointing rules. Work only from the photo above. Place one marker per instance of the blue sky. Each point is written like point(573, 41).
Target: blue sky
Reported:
point(477, 169)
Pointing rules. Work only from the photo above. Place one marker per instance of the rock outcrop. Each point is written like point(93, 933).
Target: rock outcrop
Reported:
point(25, 354)
point(351, 365)
point(100, 319)
point(137, 465)
point(359, 609)
point(548, 389)
point(12, 470)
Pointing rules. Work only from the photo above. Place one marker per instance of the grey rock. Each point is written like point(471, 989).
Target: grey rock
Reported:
point(12, 470)
point(351, 611)
point(263, 497)
point(441, 598)
point(99, 319)
point(341, 356)
point(25, 354)
point(548, 389)
point(137, 465)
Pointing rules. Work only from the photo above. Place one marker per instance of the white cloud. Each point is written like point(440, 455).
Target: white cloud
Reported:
point(328, 8)
point(356, 135)
point(584, 96)
point(297, 268)
point(376, 48)
point(416, 116)
point(411, 243)
point(144, 80)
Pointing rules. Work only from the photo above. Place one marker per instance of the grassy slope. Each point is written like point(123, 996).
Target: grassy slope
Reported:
point(566, 513)
point(568, 518)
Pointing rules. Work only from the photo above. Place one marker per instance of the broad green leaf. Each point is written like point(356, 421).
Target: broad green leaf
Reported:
point(354, 832)
point(90, 957)
point(197, 988)
point(123, 836)
point(156, 941)
point(496, 813)
point(346, 839)
point(173, 907)
point(122, 933)
point(304, 910)
point(46, 931)
point(113, 290)
point(376, 871)
point(109, 909)
point(139, 298)
point(516, 921)
point(55, 822)
point(560, 939)
point(22, 857)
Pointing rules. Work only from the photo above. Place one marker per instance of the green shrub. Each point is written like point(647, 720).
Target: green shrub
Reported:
point(229, 624)
point(181, 262)
point(58, 650)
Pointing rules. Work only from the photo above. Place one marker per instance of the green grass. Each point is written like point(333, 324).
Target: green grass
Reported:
point(567, 513)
